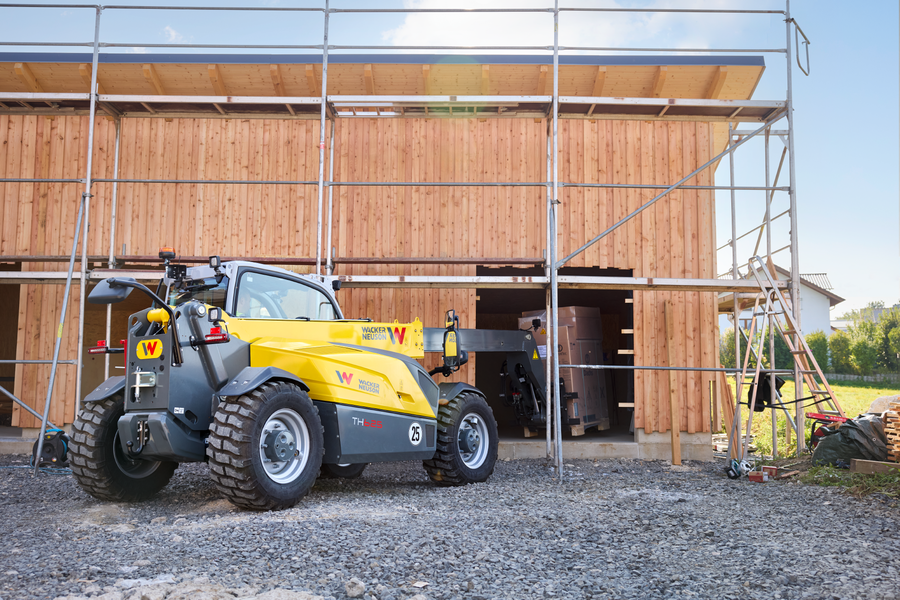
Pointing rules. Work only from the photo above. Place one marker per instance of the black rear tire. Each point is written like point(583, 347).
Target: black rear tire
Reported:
point(100, 464)
point(266, 447)
point(350, 471)
point(467, 442)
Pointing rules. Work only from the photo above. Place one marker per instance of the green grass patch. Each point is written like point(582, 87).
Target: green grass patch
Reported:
point(857, 484)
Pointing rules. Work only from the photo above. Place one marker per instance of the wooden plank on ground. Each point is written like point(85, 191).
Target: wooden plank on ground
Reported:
point(871, 467)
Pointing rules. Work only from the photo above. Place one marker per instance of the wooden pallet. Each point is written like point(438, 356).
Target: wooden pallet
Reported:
point(892, 431)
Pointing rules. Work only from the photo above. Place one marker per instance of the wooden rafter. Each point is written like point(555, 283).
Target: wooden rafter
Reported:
point(599, 83)
point(426, 76)
point(369, 79)
point(542, 81)
point(277, 81)
point(153, 79)
point(218, 82)
point(85, 70)
point(659, 81)
point(485, 79)
point(313, 81)
point(718, 82)
point(23, 72)
point(278, 84)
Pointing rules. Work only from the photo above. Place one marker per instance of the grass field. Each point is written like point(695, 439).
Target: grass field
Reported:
point(853, 396)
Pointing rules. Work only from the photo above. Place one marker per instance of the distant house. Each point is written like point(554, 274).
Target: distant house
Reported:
point(816, 301)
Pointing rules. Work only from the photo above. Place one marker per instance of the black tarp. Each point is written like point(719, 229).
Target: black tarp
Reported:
point(861, 438)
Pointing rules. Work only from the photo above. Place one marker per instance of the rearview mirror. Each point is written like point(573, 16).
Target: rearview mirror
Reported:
point(109, 292)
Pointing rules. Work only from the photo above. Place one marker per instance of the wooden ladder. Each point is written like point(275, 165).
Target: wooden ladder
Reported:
point(778, 310)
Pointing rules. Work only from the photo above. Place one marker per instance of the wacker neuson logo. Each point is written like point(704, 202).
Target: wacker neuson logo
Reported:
point(381, 333)
point(373, 387)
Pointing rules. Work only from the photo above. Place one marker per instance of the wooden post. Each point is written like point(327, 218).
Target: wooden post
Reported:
point(714, 399)
point(674, 409)
point(727, 397)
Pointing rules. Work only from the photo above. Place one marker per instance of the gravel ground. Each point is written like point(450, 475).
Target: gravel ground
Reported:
point(612, 529)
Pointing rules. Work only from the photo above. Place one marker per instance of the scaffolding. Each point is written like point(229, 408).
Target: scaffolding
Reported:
point(328, 107)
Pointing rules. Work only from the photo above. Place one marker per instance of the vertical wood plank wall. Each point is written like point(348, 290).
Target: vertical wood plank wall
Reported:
point(674, 238)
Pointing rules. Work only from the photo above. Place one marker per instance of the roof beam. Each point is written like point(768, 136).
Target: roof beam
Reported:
point(542, 81)
point(485, 79)
point(426, 76)
point(718, 82)
point(153, 79)
point(277, 81)
point(218, 82)
point(659, 81)
point(23, 72)
point(599, 82)
point(278, 84)
point(370, 79)
point(313, 81)
point(86, 70)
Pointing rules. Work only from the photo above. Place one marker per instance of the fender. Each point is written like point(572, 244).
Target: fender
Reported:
point(449, 391)
point(251, 378)
point(107, 389)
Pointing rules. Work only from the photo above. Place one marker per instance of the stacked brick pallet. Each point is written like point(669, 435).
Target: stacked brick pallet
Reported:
point(892, 431)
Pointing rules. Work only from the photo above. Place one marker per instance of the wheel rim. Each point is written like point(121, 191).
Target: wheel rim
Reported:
point(136, 469)
point(284, 446)
point(473, 440)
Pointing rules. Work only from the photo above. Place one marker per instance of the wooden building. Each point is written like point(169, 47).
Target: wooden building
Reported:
point(642, 132)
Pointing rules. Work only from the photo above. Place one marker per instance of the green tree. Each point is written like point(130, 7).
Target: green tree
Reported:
point(841, 358)
point(894, 341)
point(887, 359)
point(864, 356)
point(818, 343)
point(726, 348)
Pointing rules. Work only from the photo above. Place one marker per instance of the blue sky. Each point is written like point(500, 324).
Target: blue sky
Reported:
point(846, 112)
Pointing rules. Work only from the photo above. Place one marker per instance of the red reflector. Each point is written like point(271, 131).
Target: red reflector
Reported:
point(217, 337)
point(215, 330)
point(101, 343)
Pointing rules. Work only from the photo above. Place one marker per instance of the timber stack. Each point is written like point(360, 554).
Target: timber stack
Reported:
point(892, 431)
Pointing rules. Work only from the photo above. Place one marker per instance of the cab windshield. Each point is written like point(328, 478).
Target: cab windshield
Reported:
point(205, 290)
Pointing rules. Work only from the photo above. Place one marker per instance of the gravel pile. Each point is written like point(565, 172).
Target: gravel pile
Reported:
point(612, 529)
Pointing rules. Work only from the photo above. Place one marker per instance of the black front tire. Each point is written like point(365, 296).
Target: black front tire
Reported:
point(101, 466)
point(350, 471)
point(467, 442)
point(245, 442)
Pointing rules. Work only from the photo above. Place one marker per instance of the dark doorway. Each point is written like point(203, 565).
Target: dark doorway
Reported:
point(9, 300)
point(502, 308)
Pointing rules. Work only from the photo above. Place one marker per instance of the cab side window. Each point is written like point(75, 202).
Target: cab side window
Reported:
point(263, 296)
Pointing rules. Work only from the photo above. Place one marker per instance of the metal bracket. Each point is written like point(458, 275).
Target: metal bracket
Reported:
point(797, 33)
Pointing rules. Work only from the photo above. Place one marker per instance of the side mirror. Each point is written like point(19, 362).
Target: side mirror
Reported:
point(109, 292)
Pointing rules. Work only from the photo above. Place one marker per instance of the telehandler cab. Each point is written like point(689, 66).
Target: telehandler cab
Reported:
point(255, 370)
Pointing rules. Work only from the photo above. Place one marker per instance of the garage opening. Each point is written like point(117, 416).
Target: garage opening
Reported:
point(503, 309)
point(9, 300)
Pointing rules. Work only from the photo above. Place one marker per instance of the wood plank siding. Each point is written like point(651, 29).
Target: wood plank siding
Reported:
point(674, 238)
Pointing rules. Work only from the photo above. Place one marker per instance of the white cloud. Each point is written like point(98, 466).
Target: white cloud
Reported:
point(610, 29)
point(172, 36)
point(138, 50)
